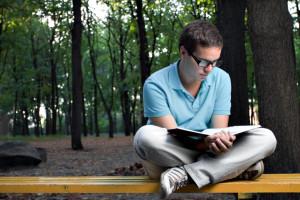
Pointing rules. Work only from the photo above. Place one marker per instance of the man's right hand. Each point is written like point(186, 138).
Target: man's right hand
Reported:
point(219, 142)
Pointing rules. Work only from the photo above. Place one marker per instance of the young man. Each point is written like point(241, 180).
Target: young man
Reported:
point(194, 93)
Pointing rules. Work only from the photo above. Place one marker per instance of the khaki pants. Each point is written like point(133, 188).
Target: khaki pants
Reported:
point(159, 151)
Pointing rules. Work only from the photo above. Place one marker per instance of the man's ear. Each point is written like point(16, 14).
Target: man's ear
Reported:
point(182, 51)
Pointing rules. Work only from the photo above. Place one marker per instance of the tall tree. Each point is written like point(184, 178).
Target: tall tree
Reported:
point(119, 30)
point(143, 48)
point(76, 124)
point(270, 26)
point(106, 99)
point(37, 119)
point(53, 64)
point(230, 21)
point(90, 38)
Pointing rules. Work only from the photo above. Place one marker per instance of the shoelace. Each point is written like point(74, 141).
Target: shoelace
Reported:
point(178, 178)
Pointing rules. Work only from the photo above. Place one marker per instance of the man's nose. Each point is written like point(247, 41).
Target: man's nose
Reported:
point(208, 68)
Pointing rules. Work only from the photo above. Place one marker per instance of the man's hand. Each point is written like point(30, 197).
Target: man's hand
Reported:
point(219, 142)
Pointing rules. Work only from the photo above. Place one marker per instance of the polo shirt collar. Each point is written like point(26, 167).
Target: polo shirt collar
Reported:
point(176, 82)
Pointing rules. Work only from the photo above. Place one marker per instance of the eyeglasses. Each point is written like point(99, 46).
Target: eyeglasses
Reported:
point(203, 63)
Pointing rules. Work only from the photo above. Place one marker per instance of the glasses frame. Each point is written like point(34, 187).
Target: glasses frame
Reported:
point(215, 63)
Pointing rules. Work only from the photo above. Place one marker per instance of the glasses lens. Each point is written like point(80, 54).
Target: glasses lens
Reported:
point(203, 63)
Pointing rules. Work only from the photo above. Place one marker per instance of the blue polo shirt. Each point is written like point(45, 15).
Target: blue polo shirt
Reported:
point(164, 94)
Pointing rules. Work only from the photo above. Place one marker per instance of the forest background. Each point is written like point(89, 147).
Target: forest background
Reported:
point(78, 67)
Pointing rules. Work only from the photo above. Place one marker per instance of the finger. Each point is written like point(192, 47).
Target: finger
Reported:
point(221, 145)
point(223, 134)
point(228, 135)
point(214, 148)
point(228, 143)
point(211, 138)
point(232, 137)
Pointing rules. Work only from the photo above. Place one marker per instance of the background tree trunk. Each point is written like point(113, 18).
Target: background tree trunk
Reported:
point(124, 88)
point(96, 124)
point(84, 116)
point(76, 124)
point(270, 26)
point(143, 50)
point(275, 72)
point(54, 93)
point(230, 21)
point(37, 120)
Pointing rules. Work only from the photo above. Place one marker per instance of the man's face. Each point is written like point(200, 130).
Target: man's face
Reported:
point(201, 62)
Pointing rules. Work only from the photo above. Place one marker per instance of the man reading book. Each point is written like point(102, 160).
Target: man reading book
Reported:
point(194, 93)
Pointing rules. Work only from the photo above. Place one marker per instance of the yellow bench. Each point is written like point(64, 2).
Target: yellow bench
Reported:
point(267, 183)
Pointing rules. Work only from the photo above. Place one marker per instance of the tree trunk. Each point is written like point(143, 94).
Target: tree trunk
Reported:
point(124, 98)
point(272, 43)
point(111, 125)
point(270, 26)
point(97, 84)
point(53, 85)
point(60, 123)
point(25, 128)
point(143, 50)
point(37, 120)
point(76, 124)
point(16, 121)
point(90, 121)
point(133, 108)
point(67, 102)
point(97, 132)
point(84, 116)
point(230, 21)
point(48, 115)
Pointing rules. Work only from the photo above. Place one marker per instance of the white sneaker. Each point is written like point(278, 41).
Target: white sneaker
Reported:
point(171, 180)
point(253, 172)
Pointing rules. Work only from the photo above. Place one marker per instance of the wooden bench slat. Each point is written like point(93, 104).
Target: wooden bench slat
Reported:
point(267, 183)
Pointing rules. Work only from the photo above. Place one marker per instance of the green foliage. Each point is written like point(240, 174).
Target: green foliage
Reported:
point(51, 20)
point(297, 52)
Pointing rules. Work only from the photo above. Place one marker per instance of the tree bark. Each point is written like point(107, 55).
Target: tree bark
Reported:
point(275, 71)
point(84, 116)
point(230, 22)
point(25, 114)
point(67, 102)
point(143, 50)
point(54, 89)
point(97, 132)
point(76, 124)
point(48, 115)
point(37, 120)
point(16, 118)
point(271, 34)
point(124, 96)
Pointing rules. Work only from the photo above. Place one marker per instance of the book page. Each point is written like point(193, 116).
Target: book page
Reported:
point(232, 129)
point(182, 132)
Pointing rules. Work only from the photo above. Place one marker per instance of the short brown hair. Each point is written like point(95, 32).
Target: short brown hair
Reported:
point(201, 33)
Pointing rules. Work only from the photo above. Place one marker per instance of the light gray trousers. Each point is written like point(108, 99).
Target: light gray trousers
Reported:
point(159, 151)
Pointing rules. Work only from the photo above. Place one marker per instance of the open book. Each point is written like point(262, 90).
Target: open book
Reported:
point(180, 132)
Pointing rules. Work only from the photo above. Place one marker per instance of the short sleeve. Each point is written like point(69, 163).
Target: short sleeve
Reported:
point(155, 100)
point(223, 96)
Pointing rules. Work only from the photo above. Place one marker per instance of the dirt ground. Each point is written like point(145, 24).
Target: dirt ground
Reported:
point(101, 156)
